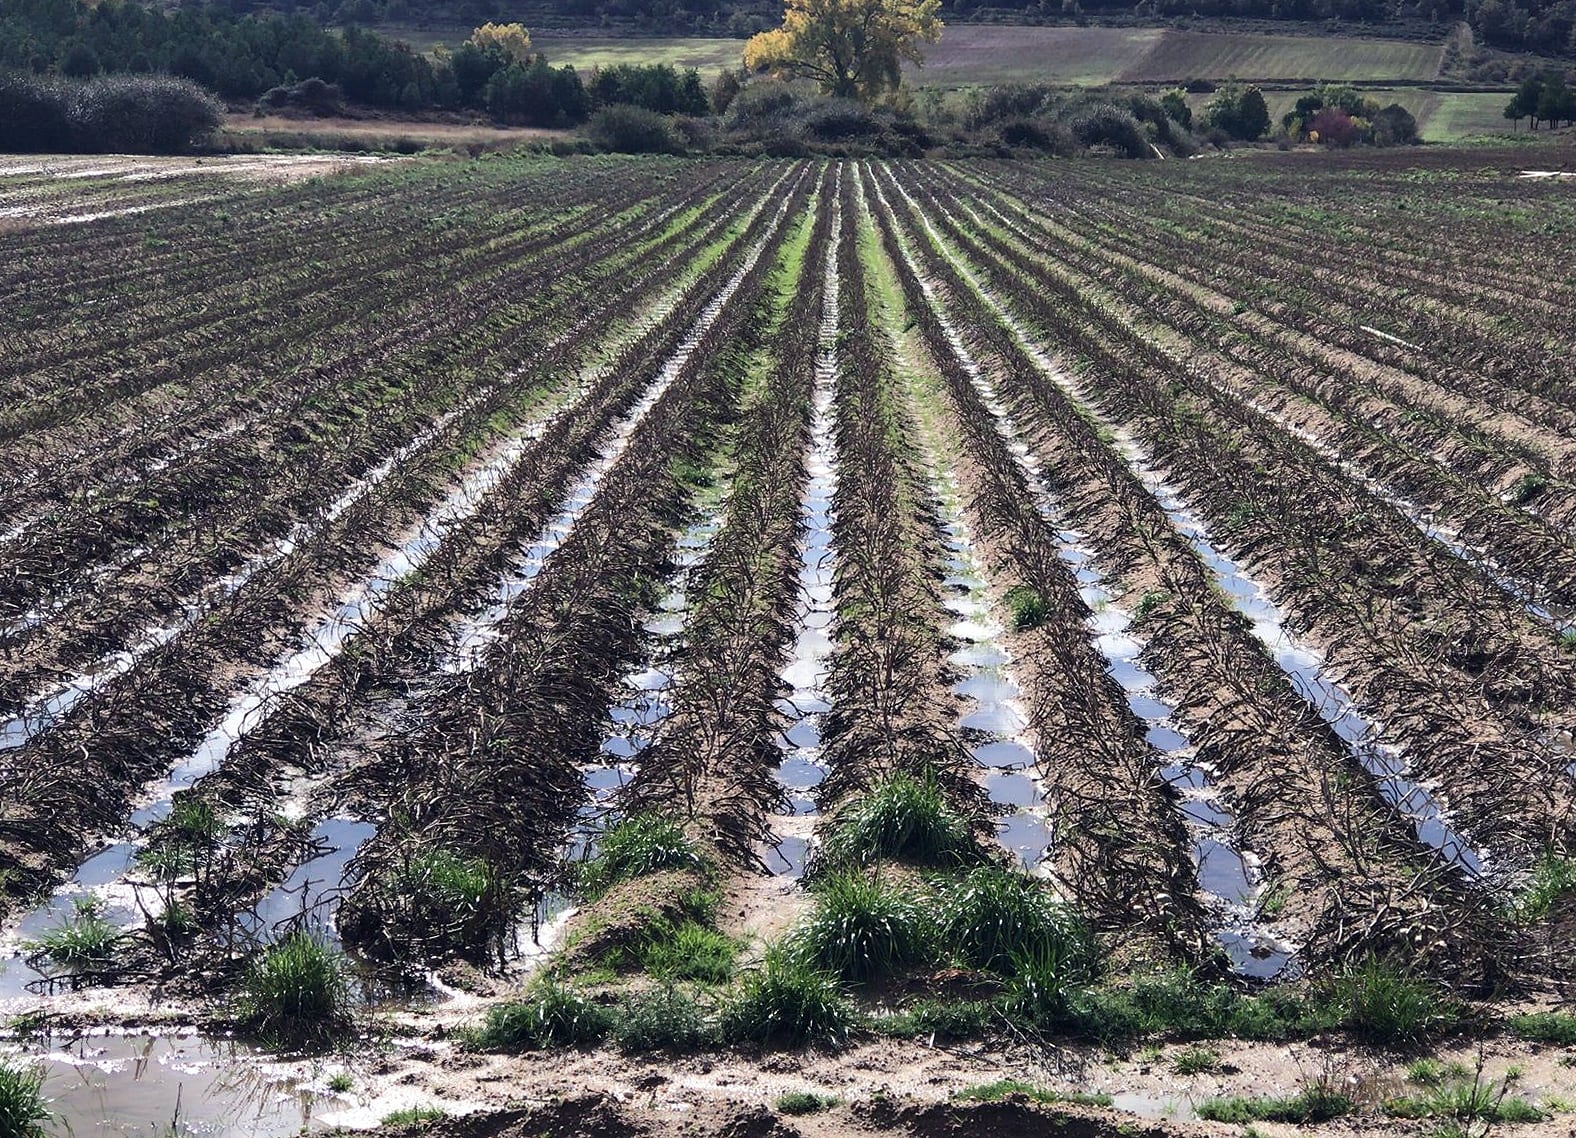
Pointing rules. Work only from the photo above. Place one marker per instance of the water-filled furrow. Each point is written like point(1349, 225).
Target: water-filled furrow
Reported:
point(805, 705)
point(479, 631)
point(1306, 668)
point(47, 708)
point(1226, 874)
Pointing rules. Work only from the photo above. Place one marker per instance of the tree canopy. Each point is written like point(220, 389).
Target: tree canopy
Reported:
point(853, 48)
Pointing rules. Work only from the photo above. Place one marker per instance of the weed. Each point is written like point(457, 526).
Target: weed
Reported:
point(340, 1082)
point(1009, 1088)
point(1196, 1061)
point(804, 1102)
point(863, 928)
point(1466, 1097)
point(1026, 608)
point(297, 991)
point(662, 1019)
point(901, 817)
point(1527, 487)
point(1150, 601)
point(787, 1000)
point(1546, 1027)
point(415, 1116)
point(992, 915)
point(952, 1019)
point(1313, 1104)
point(1043, 980)
point(638, 845)
point(23, 1111)
point(83, 940)
point(1380, 1001)
point(1552, 878)
point(552, 1014)
point(1429, 1072)
point(689, 951)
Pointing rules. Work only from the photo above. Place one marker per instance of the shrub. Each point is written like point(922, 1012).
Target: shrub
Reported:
point(992, 915)
point(1379, 1000)
point(34, 114)
point(23, 1111)
point(298, 991)
point(552, 1014)
point(1113, 126)
point(787, 1000)
point(639, 845)
point(863, 928)
point(83, 940)
point(664, 1018)
point(901, 817)
point(804, 1102)
point(156, 114)
point(632, 130)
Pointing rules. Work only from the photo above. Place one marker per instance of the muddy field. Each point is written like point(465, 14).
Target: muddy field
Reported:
point(523, 646)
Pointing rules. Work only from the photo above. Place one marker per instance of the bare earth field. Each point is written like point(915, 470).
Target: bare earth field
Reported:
point(606, 647)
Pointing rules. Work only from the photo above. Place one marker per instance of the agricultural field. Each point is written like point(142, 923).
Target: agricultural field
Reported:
point(788, 648)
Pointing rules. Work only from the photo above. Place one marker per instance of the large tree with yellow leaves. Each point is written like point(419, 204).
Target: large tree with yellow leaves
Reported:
point(853, 48)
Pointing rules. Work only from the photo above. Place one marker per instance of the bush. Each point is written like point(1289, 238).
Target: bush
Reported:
point(34, 114)
point(297, 992)
point(991, 916)
point(155, 114)
point(901, 817)
point(311, 95)
point(804, 1102)
point(787, 1000)
point(662, 1019)
point(632, 130)
point(639, 845)
point(23, 1111)
point(863, 928)
point(1109, 125)
point(552, 1014)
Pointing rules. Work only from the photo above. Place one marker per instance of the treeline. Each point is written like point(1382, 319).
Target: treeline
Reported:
point(1546, 99)
point(272, 55)
point(142, 114)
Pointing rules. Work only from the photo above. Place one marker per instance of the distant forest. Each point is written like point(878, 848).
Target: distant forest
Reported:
point(243, 48)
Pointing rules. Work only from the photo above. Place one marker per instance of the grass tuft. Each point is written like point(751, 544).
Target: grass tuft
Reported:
point(1313, 1104)
point(552, 1014)
point(83, 940)
point(1026, 608)
point(1553, 878)
point(1196, 1061)
point(1545, 1027)
point(689, 951)
point(1381, 1001)
point(901, 817)
point(23, 1111)
point(639, 845)
point(1003, 1089)
point(298, 991)
point(949, 1019)
point(863, 928)
point(992, 915)
point(787, 1000)
point(663, 1019)
point(415, 1116)
point(804, 1102)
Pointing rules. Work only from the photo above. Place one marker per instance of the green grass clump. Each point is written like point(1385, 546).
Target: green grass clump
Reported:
point(662, 1019)
point(1463, 1097)
point(689, 951)
point(415, 1115)
point(787, 1000)
point(1552, 878)
point(83, 940)
point(903, 818)
point(639, 845)
point(1178, 1003)
point(1026, 608)
point(950, 1019)
point(297, 991)
point(804, 1102)
point(863, 928)
point(1380, 1001)
point(1044, 980)
point(1545, 1027)
point(340, 1082)
point(23, 1111)
point(1003, 1089)
point(992, 915)
point(552, 1014)
point(1313, 1104)
point(1196, 1061)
